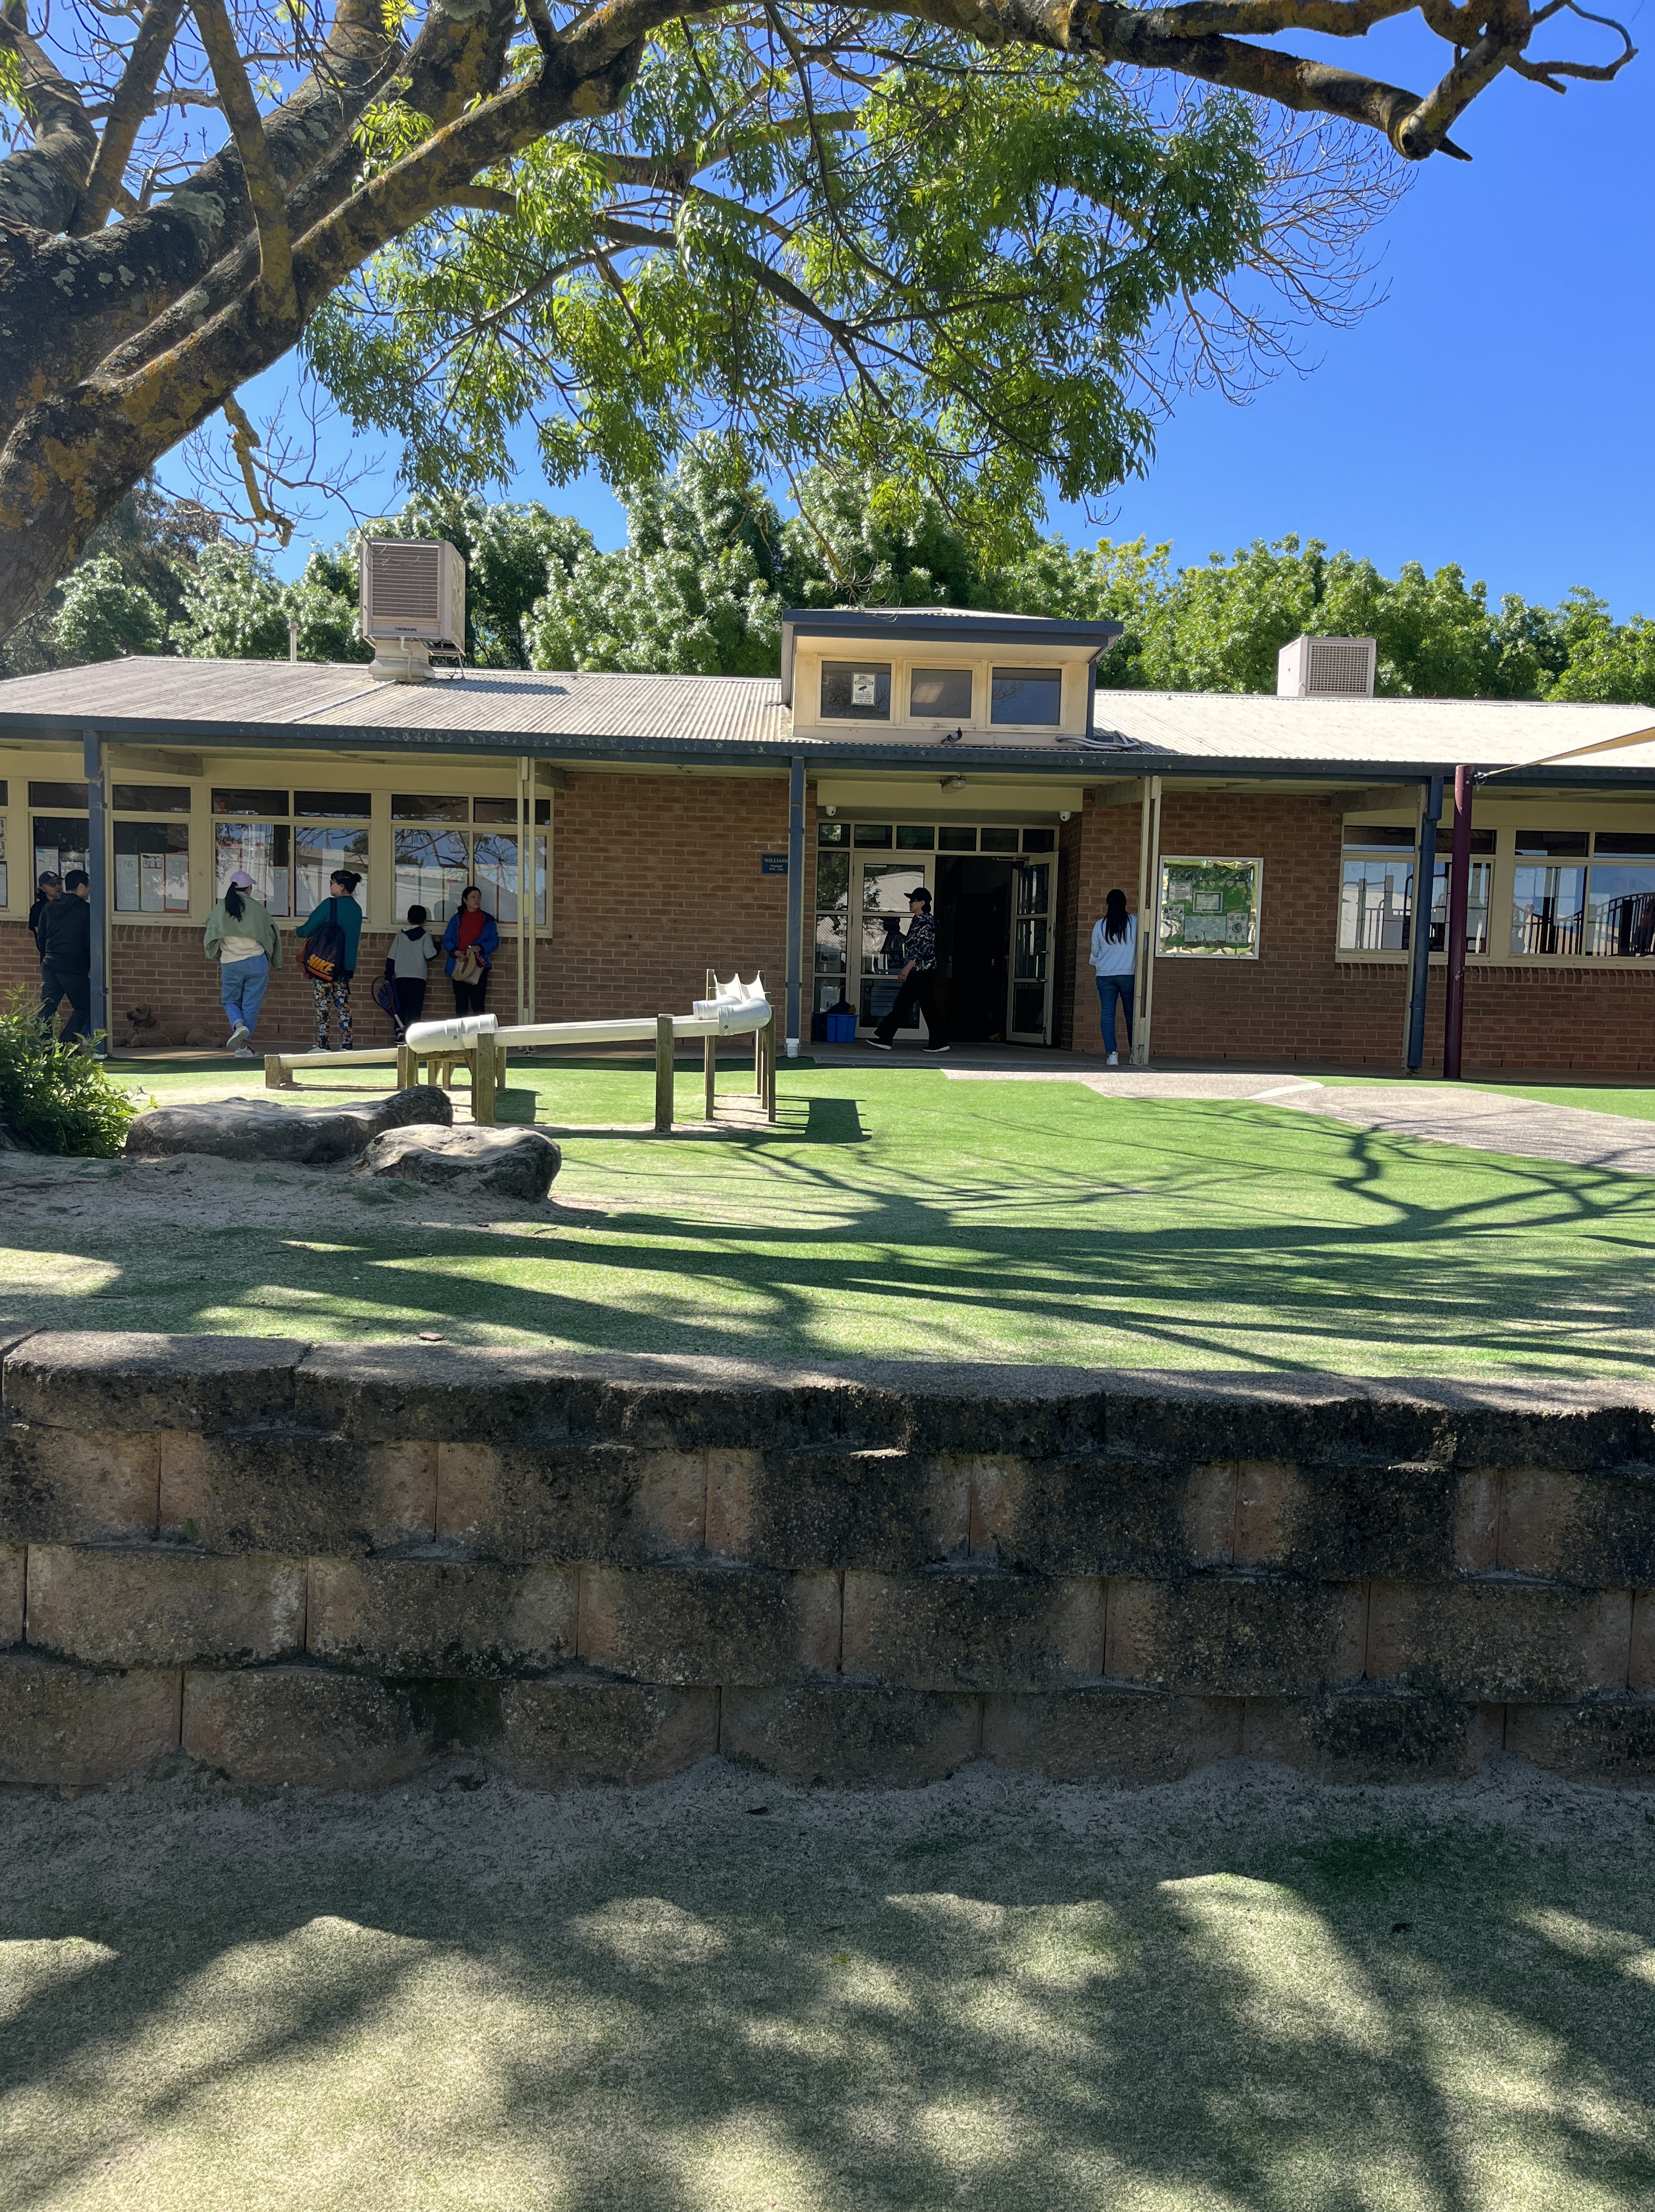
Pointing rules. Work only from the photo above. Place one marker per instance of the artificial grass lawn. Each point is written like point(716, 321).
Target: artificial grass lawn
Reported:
point(724, 1995)
point(895, 1212)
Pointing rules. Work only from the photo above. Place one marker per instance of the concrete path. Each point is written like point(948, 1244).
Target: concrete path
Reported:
point(1146, 1082)
point(1487, 1123)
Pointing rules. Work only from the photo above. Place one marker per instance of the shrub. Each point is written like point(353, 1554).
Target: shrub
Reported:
point(53, 1097)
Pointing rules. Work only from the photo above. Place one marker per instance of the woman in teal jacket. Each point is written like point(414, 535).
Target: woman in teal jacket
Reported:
point(331, 994)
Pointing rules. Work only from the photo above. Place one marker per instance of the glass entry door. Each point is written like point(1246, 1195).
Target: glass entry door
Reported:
point(1029, 1016)
point(884, 889)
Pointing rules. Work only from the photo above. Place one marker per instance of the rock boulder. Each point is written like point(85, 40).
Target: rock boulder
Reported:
point(294, 1136)
point(485, 1163)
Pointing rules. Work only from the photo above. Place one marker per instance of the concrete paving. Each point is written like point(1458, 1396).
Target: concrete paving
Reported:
point(1486, 1123)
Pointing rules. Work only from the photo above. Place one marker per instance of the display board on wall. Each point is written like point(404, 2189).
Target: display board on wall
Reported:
point(1209, 910)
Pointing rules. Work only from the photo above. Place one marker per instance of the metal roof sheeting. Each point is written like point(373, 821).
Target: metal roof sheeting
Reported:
point(222, 702)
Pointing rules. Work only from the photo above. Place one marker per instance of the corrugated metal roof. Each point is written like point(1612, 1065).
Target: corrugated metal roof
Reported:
point(270, 701)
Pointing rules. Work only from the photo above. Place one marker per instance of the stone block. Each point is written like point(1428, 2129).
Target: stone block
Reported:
point(1498, 1637)
point(1279, 1418)
point(431, 1393)
point(1608, 1740)
point(74, 1485)
point(966, 1629)
point(1366, 1734)
point(509, 1163)
point(1565, 1427)
point(12, 1559)
point(1476, 1524)
point(1111, 1732)
point(87, 1379)
point(1024, 1412)
point(1236, 1634)
point(258, 1130)
point(74, 1728)
point(1097, 1513)
point(1596, 1530)
point(879, 1510)
point(157, 1604)
point(566, 1732)
point(1641, 1670)
point(845, 1732)
point(745, 1626)
point(440, 1617)
point(1344, 1520)
point(603, 1505)
point(265, 1726)
point(290, 1491)
point(1270, 1504)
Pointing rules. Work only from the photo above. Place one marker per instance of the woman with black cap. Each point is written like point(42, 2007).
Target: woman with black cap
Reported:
point(917, 984)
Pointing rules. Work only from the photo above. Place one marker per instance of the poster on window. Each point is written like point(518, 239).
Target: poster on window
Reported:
point(1209, 910)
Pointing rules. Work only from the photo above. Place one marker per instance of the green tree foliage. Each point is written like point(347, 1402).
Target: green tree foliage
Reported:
point(104, 616)
point(125, 595)
point(511, 553)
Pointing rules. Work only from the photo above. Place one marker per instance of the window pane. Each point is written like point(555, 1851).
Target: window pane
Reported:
point(59, 843)
point(247, 799)
point(150, 799)
point(1557, 844)
point(833, 880)
point(71, 796)
point(5, 792)
point(1476, 906)
point(856, 691)
point(1548, 910)
point(888, 889)
point(1027, 695)
point(416, 806)
point(1379, 836)
point(1029, 1010)
point(911, 837)
point(833, 833)
point(334, 805)
point(830, 944)
point(152, 867)
point(1641, 842)
point(1034, 888)
point(317, 854)
point(431, 872)
point(1039, 840)
point(495, 810)
point(542, 813)
point(874, 834)
point(950, 840)
point(494, 870)
point(1031, 958)
point(262, 850)
point(999, 841)
point(1621, 914)
point(941, 691)
point(1374, 905)
point(882, 943)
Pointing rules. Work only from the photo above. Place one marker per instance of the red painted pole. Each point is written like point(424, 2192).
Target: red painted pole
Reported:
point(1459, 889)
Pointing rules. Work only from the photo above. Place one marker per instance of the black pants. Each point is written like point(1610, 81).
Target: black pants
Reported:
point(410, 998)
point(468, 997)
point(918, 988)
point(55, 984)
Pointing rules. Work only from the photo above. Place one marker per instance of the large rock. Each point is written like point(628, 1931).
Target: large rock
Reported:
point(489, 1162)
point(302, 1136)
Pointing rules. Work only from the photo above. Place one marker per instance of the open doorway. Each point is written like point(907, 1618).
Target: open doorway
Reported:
point(974, 940)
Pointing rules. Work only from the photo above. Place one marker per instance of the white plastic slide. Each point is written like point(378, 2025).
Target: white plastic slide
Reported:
point(460, 1031)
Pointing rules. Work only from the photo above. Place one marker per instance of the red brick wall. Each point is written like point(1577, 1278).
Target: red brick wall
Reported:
point(1297, 1004)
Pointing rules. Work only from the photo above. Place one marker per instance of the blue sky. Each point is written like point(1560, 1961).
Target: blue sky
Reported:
point(1492, 410)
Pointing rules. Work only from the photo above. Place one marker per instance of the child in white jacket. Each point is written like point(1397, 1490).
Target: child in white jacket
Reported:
point(1115, 962)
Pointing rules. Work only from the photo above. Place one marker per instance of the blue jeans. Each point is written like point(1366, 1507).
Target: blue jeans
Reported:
point(242, 985)
point(1111, 988)
point(58, 983)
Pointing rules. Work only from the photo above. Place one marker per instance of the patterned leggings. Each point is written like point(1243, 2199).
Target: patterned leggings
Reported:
point(334, 997)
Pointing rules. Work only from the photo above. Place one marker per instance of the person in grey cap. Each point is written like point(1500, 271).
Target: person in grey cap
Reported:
point(242, 938)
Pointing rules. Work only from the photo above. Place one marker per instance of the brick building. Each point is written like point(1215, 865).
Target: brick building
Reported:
point(630, 831)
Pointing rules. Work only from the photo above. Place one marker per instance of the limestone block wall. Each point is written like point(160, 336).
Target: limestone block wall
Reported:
point(328, 1564)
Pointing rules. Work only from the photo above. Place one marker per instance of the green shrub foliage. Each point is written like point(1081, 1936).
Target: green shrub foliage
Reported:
point(53, 1097)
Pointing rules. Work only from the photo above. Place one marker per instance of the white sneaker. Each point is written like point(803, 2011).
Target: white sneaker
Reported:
point(239, 1035)
point(1113, 1059)
point(244, 1052)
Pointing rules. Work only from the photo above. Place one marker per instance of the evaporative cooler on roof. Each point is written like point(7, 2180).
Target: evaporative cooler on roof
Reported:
point(1325, 668)
point(413, 595)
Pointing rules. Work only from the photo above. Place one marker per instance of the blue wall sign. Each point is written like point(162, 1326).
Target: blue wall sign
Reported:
point(772, 864)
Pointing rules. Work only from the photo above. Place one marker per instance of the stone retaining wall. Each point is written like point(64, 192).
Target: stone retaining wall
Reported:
point(329, 1563)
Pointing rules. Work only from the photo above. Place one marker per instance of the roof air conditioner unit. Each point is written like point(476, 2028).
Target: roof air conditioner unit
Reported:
point(1326, 668)
point(413, 603)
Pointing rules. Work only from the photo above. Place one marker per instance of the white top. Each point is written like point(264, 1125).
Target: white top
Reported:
point(411, 955)
point(1117, 956)
point(240, 948)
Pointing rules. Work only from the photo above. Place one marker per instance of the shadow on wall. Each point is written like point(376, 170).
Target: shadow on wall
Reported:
point(697, 2006)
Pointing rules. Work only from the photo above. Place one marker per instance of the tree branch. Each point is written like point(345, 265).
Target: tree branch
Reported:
point(40, 185)
point(131, 108)
point(264, 193)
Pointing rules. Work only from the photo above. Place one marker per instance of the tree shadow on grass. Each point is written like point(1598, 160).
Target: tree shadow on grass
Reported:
point(1433, 2020)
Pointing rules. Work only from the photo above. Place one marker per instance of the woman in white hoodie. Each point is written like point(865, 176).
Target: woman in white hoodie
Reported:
point(1114, 962)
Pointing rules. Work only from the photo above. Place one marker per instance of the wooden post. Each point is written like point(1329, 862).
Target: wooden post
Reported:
point(484, 1081)
point(709, 1059)
point(272, 1070)
point(407, 1068)
point(769, 1035)
point(663, 1073)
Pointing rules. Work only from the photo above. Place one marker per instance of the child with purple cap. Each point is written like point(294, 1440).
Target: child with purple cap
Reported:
point(242, 938)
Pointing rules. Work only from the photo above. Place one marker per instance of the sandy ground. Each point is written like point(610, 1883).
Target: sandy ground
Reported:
point(1238, 1991)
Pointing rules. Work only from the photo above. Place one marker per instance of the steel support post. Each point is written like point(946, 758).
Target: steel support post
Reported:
point(1425, 884)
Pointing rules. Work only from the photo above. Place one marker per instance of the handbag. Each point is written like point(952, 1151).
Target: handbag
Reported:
point(325, 950)
point(467, 968)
